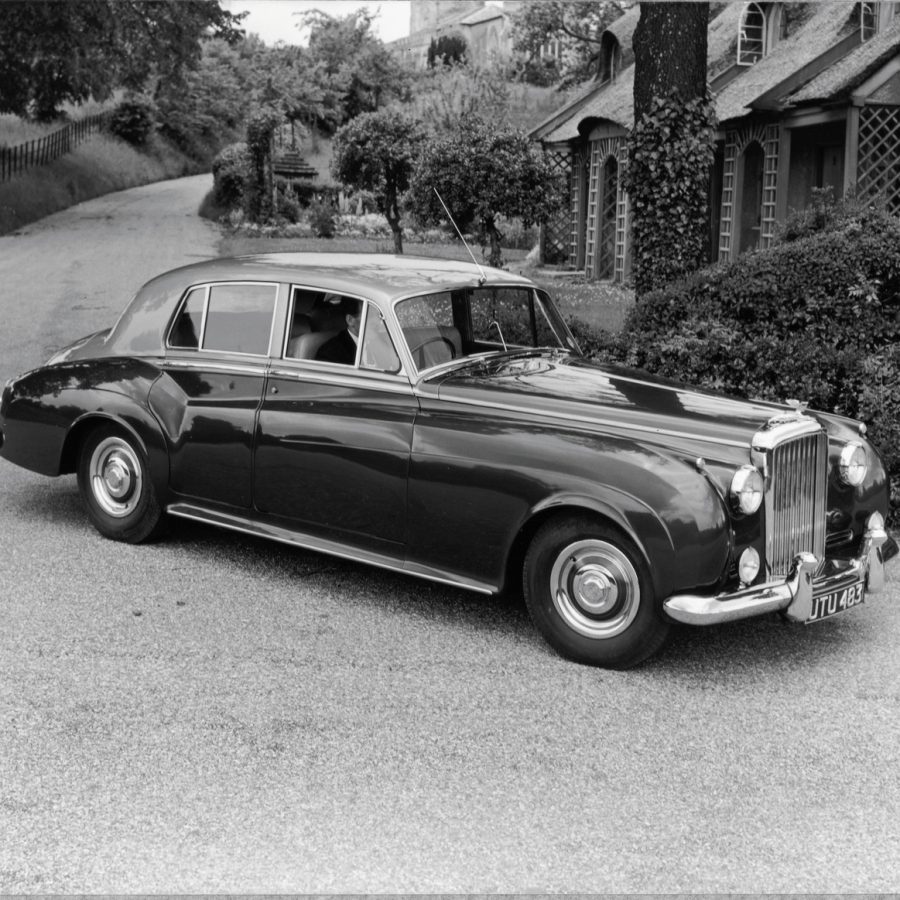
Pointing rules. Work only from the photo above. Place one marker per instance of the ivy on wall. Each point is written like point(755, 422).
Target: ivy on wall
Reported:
point(669, 158)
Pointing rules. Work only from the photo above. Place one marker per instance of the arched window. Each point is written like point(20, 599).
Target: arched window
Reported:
point(868, 20)
point(752, 35)
point(610, 57)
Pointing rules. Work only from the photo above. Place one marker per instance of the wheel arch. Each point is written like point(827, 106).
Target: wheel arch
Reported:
point(617, 509)
point(679, 554)
point(143, 429)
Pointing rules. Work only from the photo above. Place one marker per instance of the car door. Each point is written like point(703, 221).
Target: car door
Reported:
point(215, 370)
point(333, 438)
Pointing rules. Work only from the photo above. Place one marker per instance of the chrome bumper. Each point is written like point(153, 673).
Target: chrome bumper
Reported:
point(794, 595)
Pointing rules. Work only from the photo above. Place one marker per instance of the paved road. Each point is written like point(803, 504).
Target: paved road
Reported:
point(212, 713)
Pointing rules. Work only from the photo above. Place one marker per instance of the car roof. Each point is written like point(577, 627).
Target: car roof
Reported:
point(377, 276)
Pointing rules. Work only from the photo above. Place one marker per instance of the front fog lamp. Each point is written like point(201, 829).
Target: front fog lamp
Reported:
point(854, 463)
point(748, 566)
point(747, 489)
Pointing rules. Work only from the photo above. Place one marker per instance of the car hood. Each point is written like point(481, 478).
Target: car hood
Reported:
point(588, 393)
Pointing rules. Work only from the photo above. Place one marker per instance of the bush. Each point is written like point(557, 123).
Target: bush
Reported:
point(321, 219)
point(230, 169)
point(133, 121)
point(817, 318)
point(309, 192)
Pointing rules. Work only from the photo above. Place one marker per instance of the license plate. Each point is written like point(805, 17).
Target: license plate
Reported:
point(837, 602)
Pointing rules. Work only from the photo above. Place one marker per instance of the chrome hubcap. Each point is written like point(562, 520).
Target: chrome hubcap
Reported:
point(115, 477)
point(595, 588)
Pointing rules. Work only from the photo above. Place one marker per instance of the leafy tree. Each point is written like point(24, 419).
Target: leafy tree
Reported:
point(376, 152)
point(483, 171)
point(578, 24)
point(448, 94)
point(671, 145)
point(53, 52)
point(289, 78)
point(447, 49)
point(207, 108)
point(347, 57)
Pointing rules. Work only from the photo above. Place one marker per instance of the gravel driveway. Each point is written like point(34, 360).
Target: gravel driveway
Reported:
point(216, 714)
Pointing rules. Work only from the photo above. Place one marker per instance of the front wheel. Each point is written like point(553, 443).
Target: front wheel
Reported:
point(589, 593)
point(114, 482)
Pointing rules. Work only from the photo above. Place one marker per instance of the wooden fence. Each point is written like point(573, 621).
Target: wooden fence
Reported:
point(40, 151)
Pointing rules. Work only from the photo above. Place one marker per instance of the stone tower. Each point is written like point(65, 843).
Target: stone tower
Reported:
point(426, 14)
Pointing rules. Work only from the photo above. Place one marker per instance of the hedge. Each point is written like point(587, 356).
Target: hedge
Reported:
point(816, 317)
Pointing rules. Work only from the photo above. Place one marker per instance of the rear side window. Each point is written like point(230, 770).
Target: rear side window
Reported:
point(235, 318)
point(189, 325)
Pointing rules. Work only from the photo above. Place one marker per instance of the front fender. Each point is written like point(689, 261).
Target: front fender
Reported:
point(672, 513)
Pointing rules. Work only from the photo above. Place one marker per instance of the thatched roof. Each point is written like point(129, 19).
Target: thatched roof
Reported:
point(818, 28)
point(824, 28)
point(839, 81)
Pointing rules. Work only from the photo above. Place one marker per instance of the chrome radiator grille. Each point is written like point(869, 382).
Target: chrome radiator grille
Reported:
point(795, 500)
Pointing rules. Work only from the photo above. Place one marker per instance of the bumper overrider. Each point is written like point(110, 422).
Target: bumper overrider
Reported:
point(795, 597)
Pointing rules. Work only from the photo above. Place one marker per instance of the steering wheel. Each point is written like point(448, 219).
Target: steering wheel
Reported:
point(436, 339)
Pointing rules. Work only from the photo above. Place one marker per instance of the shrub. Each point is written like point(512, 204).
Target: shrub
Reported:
point(309, 192)
point(230, 169)
point(286, 205)
point(321, 219)
point(816, 317)
point(133, 121)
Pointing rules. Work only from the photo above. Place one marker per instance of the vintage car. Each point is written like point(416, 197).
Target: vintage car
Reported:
point(438, 419)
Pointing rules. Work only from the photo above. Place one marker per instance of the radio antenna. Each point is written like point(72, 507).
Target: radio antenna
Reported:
point(482, 277)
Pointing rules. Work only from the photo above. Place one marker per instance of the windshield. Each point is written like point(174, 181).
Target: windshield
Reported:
point(470, 322)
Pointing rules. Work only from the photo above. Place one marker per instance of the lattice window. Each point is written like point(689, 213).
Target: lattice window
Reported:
point(878, 159)
point(606, 238)
point(556, 232)
point(752, 35)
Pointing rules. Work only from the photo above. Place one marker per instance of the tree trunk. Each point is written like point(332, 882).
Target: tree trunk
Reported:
point(669, 52)
point(392, 214)
point(496, 256)
point(671, 144)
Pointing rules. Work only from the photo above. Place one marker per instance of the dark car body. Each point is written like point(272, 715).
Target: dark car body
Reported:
point(467, 440)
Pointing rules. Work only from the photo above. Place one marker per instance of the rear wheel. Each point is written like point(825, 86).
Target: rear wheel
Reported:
point(589, 593)
point(114, 481)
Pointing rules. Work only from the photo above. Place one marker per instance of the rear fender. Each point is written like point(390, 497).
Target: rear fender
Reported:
point(48, 412)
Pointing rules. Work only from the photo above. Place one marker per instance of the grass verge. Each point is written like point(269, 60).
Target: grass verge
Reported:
point(100, 165)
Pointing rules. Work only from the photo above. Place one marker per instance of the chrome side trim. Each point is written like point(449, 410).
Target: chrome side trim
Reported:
point(793, 596)
point(217, 367)
point(361, 377)
point(246, 525)
point(585, 420)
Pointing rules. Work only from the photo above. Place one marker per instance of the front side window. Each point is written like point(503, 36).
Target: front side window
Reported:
point(234, 318)
point(378, 351)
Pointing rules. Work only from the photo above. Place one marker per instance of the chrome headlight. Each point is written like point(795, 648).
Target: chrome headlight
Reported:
point(747, 489)
point(748, 566)
point(854, 463)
